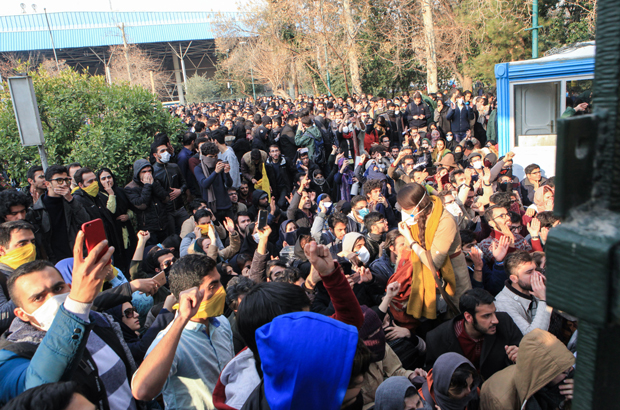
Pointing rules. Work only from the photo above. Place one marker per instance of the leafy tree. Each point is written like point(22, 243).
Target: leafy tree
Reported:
point(202, 89)
point(85, 120)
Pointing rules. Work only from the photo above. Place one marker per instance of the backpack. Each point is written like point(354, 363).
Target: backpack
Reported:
point(319, 157)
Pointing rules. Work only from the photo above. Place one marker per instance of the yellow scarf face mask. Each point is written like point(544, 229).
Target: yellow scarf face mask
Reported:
point(204, 229)
point(92, 189)
point(210, 308)
point(17, 257)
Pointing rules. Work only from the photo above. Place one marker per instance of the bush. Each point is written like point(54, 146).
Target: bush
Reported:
point(87, 121)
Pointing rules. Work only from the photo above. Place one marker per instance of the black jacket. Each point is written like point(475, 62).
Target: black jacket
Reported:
point(75, 216)
point(493, 358)
point(414, 109)
point(170, 176)
point(287, 143)
point(148, 201)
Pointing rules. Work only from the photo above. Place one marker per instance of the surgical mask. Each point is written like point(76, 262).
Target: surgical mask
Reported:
point(460, 101)
point(345, 130)
point(454, 209)
point(363, 212)
point(327, 205)
point(409, 219)
point(256, 237)
point(92, 189)
point(164, 157)
point(477, 164)
point(397, 112)
point(19, 256)
point(46, 313)
point(363, 254)
point(213, 307)
point(449, 137)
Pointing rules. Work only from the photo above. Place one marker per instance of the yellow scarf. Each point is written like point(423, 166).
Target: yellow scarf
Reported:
point(263, 183)
point(422, 301)
point(210, 308)
point(204, 229)
point(17, 257)
point(92, 189)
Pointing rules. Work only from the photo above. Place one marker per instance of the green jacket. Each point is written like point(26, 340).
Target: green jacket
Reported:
point(306, 138)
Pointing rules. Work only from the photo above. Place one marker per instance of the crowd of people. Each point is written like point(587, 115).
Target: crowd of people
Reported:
point(322, 253)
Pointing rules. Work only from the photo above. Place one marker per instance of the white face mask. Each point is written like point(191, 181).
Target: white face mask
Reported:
point(449, 137)
point(164, 157)
point(460, 101)
point(327, 205)
point(256, 237)
point(409, 219)
point(345, 130)
point(454, 209)
point(363, 254)
point(46, 313)
point(397, 112)
point(477, 164)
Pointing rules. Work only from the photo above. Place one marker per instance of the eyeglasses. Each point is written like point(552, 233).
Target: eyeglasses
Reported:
point(168, 263)
point(62, 181)
point(503, 216)
point(130, 312)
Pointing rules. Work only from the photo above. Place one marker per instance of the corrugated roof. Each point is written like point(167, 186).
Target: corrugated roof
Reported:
point(88, 29)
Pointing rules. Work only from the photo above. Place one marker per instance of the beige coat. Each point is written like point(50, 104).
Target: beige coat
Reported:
point(541, 358)
point(379, 371)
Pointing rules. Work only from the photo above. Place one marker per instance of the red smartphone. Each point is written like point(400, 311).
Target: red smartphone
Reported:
point(94, 233)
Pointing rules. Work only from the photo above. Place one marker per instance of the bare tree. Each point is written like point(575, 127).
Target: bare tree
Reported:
point(135, 66)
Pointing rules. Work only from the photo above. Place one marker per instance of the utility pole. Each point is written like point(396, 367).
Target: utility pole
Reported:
point(535, 28)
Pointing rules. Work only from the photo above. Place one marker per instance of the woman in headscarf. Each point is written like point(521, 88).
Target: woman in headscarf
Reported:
point(118, 204)
point(397, 393)
point(452, 383)
point(450, 141)
point(544, 198)
point(343, 179)
point(287, 233)
point(127, 317)
point(439, 151)
point(319, 183)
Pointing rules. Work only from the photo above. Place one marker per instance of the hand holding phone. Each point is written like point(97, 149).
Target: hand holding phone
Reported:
point(94, 233)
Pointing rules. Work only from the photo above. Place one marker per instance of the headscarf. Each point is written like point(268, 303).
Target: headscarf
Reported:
point(441, 375)
point(391, 393)
point(117, 313)
point(289, 237)
point(347, 180)
point(209, 163)
point(372, 334)
point(539, 198)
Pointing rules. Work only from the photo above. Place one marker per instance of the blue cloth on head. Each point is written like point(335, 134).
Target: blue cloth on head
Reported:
point(304, 349)
point(65, 267)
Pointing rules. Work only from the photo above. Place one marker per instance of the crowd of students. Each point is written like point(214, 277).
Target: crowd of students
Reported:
point(321, 253)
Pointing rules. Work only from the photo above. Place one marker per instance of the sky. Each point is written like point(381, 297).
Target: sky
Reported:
point(10, 7)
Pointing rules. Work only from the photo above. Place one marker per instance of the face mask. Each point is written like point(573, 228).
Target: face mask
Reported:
point(204, 229)
point(454, 209)
point(319, 181)
point(460, 101)
point(345, 130)
point(46, 313)
point(164, 157)
point(92, 189)
point(290, 238)
point(369, 128)
point(409, 219)
point(213, 307)
point(424, 146)
point(327, 205)
point(256, 237)
point(397, 112)
point(17, 257)
point(363, 212)
point(363, 254)
point(477, 164)
point(449, 137)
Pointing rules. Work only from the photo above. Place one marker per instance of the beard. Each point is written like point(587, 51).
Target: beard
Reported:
point(484, 330)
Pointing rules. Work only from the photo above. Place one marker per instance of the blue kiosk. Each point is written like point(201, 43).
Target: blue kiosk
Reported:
point(532, 95)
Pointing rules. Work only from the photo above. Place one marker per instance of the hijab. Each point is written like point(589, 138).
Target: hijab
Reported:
point(391, 393)
point(442, 372)
point(346, 180)
point(539, 198)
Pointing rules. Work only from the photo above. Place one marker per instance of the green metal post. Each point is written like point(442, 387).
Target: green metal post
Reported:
point(534, 28)
point(583, 253)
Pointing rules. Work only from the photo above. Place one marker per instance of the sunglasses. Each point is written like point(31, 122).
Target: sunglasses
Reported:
point(130, 312)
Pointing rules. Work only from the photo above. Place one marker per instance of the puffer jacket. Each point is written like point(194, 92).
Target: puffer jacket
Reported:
point(147, 200)
point(541, 358)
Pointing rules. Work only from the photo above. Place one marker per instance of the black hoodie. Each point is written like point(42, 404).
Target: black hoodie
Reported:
point(147, 200)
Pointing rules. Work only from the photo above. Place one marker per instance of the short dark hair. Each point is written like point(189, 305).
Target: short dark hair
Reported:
point(55, 170)
point(356, 199)
point(503, 199)
point(271, 264)
point(337, 218)
point(390, 239)
point(242, 213)
point(263, 303)
point(474, 298)
point(454, 173)
point(237, 286)
point(516, 259)
point(467, 236)
point(32, 170)
point(372, 219)
point(371, 184)
point(11, 198)
point(73, 165)
point(195, 204)
point(530, 168)
point(189, 137)
point(200, 140)
point(288, 275)
point(488, 213)
point(209, 148)
point(7, 228)
point(49, 396)
point(26, 269)
point(79, 173)
point(202, 213)
point(547, 219)
point(189, 271)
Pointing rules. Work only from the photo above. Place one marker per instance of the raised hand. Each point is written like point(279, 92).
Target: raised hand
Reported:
point(392, 290)
point(88, 274)
point(539, 289)
point(189, 303)
point(500, 248)
point(148, 286)
point(229, 224)
point(534, 227)
point(143, 237)
point(320, 258)
point(219, 167)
